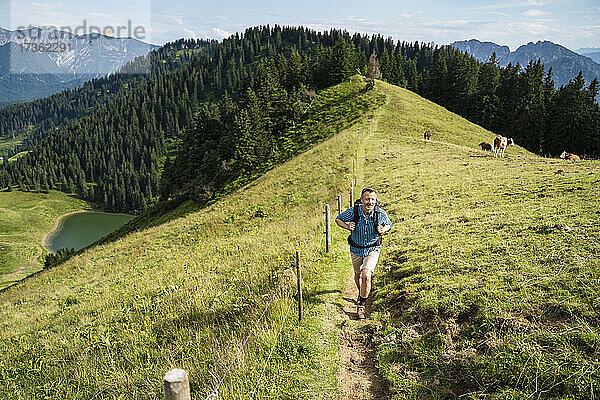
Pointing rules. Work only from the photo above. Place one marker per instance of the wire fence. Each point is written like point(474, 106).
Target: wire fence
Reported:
point(214, 392)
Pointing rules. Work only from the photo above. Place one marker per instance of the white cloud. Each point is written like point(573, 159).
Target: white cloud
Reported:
point(454, 25)
point(97, 14)
point(508, 5)
point(535, 13)
point(221, 33)
point(494, 13)
point(43, 5)
point(537, 29)
point(190, 33)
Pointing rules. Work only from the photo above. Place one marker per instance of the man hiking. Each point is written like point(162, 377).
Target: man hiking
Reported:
point(366, 221)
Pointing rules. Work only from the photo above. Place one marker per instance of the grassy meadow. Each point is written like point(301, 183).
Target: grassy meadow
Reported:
point(490, 279)
point(487, 286)
point(25, 218)
point(186, 293)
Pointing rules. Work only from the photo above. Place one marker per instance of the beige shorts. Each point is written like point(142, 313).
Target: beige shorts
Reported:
point(368, 262)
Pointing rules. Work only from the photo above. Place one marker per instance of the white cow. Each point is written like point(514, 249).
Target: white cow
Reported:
point(569, 156)
point(500, 144)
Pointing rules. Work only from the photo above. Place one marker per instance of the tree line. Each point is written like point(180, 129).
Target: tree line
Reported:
point(33, 120)
point(514, 101)
point(214, 112)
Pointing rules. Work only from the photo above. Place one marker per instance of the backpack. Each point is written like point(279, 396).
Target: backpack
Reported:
point(355, 218)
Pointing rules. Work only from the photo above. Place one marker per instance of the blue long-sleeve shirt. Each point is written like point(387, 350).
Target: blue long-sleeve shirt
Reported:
point(364, 233)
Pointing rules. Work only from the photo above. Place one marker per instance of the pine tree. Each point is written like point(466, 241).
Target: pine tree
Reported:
point(435, 85)
point(372, 71)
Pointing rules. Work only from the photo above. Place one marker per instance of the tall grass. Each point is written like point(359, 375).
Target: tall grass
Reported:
point(488, 283)
point(186, 293)
point(491, 282)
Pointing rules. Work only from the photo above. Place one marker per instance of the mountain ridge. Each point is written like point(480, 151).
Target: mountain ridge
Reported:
point(38, 62)
point(565, 63)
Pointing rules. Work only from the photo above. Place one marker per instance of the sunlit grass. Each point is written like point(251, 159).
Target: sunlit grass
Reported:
point(25, 218)
point(111, 321)
point(492, 280)
point(487, 285)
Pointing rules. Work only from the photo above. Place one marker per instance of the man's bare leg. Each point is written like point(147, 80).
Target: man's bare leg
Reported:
point(365, 283)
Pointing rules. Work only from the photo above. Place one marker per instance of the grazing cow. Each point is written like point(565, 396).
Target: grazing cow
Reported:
point(569, 156)
point(500, 144)
point(427, 135)
point(486, 146)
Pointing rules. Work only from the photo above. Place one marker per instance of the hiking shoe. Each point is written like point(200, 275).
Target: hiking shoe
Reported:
point(360, 312)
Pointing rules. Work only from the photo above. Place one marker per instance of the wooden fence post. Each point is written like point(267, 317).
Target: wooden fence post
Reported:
point(351, 196)
point(177, 385)
point(299, 279)
point(327, 230)
point(339, 204)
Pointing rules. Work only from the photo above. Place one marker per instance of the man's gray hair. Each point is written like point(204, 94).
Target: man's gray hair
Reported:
point(367, 190)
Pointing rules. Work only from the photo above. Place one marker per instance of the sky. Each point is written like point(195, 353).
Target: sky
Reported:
point(571, 23)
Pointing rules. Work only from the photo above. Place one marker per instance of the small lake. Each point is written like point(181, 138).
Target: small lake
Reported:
point(81, 229)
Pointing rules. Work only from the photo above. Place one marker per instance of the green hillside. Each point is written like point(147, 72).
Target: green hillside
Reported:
point(490, 279)
point(486, 284)
point(113, 319)
point(24, 220)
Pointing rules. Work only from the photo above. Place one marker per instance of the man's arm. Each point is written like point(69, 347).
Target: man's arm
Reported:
point(347, 216)
point(346, 225)
point(383, 229)
point(385, 223)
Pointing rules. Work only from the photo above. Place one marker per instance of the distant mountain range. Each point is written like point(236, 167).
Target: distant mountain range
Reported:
point(36, 63)
point(565, 63)
point(591, 52)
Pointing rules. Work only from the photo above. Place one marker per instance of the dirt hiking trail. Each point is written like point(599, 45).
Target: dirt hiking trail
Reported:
point(358, 378)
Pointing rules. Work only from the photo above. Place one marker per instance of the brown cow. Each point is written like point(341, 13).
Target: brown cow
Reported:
point(486, 146)
point(500, 144)
point(569, 156)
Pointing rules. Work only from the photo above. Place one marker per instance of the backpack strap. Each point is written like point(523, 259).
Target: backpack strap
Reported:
point(356, 215)
point(377, 211)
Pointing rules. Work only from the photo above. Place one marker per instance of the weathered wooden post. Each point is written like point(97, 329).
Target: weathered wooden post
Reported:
point(351, 196)
point(327, 230)
point(339, 204)
point(177, 385)
point(299, 279)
